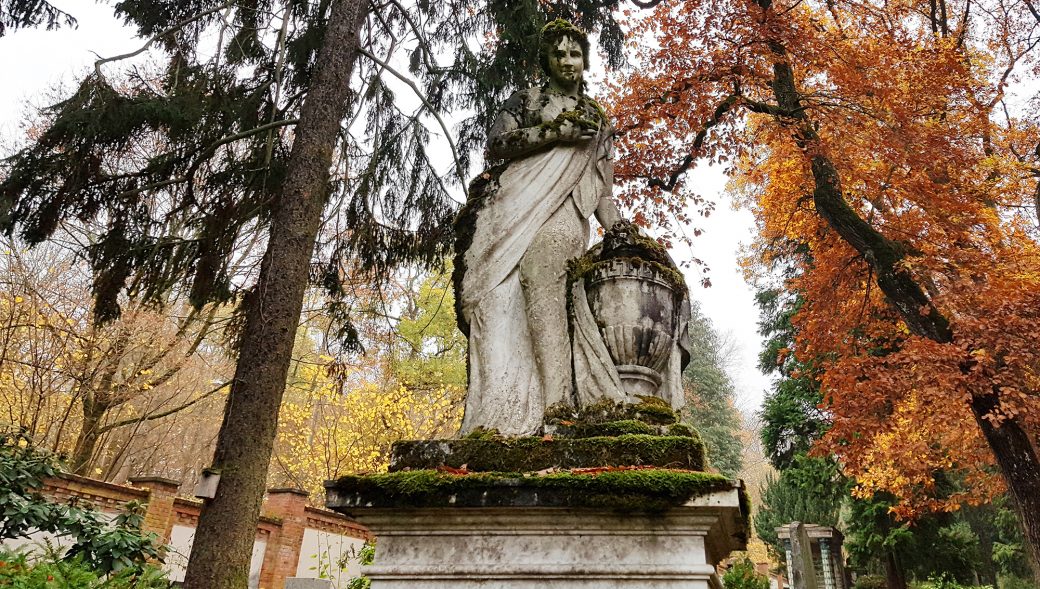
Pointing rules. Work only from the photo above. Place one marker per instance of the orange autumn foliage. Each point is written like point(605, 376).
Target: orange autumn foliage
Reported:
point(918, 109)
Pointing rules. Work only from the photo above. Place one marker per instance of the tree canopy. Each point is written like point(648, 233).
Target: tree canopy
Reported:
point(886, 154)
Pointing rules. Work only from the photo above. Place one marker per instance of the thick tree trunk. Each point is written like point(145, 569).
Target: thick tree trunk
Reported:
point(1015, 454)
point(224, 538)
point(1017, 459)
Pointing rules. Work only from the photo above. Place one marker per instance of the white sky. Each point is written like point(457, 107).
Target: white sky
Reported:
point(38, 61)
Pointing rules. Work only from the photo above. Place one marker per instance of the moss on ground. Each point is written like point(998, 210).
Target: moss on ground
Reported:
point(648, 490)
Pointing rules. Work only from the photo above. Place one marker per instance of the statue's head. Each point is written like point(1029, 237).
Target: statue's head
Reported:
point(563, 51)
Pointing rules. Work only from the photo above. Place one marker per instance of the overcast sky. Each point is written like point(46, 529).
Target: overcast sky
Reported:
point(37, 62)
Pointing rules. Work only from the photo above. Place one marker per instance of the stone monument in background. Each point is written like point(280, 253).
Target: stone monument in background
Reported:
point(572, 469)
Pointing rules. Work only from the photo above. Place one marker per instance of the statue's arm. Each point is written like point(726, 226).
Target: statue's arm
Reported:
point(509, 139)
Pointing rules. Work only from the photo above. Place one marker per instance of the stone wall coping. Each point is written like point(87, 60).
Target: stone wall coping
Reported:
point(188, 502)
point(156, 480)
point(290, 490)
point(96, 484)
point(814, 531)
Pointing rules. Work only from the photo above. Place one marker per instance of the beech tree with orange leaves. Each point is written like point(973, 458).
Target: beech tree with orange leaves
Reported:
point(889, 153)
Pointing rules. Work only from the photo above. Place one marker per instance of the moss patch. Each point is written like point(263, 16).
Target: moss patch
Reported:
point(624, 242)
point(483, 433)
point(682, 429)
point(480, 190)
point(614, 428)
point(649, 490)
point(531, 454)
point(650, 410)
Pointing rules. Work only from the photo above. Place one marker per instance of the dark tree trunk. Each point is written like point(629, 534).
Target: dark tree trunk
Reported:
point(894, 577)
point(227, 525)
point(1017, 459)
point(87, 439)
point(1011, 445)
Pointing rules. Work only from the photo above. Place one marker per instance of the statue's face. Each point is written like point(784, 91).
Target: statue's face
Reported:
point(566, 63)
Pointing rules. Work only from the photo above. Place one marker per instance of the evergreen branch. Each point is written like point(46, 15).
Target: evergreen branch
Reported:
point(427, 104)
point(424, 45)
point(204, 154)
point(150, 42)
point(166, 413)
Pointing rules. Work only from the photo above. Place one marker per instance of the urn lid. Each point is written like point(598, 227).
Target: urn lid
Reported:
point(624, 240)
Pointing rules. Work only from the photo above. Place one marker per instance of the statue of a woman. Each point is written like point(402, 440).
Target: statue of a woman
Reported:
point(524, 220)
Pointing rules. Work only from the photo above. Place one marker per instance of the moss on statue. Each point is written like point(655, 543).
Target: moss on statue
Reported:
point(465, 224)
point(624, 242)
point(682, 429)
point(614, 428)
point(648, 490)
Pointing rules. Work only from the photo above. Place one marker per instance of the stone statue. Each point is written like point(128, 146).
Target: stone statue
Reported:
point(525, 219)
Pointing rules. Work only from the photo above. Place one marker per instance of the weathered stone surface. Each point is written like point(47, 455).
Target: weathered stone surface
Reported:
point(529, 454)
point(803, 573)
point(504, 545)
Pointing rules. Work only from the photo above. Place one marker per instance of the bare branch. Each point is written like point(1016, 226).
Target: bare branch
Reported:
point(646, 3)
point(698, 142)
point(166, 413)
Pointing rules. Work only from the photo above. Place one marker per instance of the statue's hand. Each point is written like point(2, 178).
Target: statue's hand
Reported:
point(570, 132)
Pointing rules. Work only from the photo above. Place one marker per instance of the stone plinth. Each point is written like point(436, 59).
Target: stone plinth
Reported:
point(646, 529)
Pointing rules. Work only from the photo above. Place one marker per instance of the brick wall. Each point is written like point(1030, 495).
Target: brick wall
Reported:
point(285, 520)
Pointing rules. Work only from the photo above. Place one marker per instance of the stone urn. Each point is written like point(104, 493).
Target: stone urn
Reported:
point(635, 294)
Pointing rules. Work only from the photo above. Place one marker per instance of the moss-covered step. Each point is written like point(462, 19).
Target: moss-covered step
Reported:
point(649, 410)
point(530, 454)
point(618, 428)
point(642, 490)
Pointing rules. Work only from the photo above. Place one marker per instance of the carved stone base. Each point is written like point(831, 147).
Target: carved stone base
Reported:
point(520, 538)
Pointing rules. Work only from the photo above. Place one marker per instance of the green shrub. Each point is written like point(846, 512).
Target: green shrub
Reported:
point(25, 570)
point(102, 545)
point(742, 575)
point(870, 582)
point(946, 581)
point(1007, 581)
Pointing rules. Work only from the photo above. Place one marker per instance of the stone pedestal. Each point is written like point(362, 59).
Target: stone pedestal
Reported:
point(521, 534)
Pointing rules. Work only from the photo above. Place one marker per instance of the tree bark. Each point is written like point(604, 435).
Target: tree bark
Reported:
point(89, 434)
point(226, 531)
point(894, 577)
point(1011, 445)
